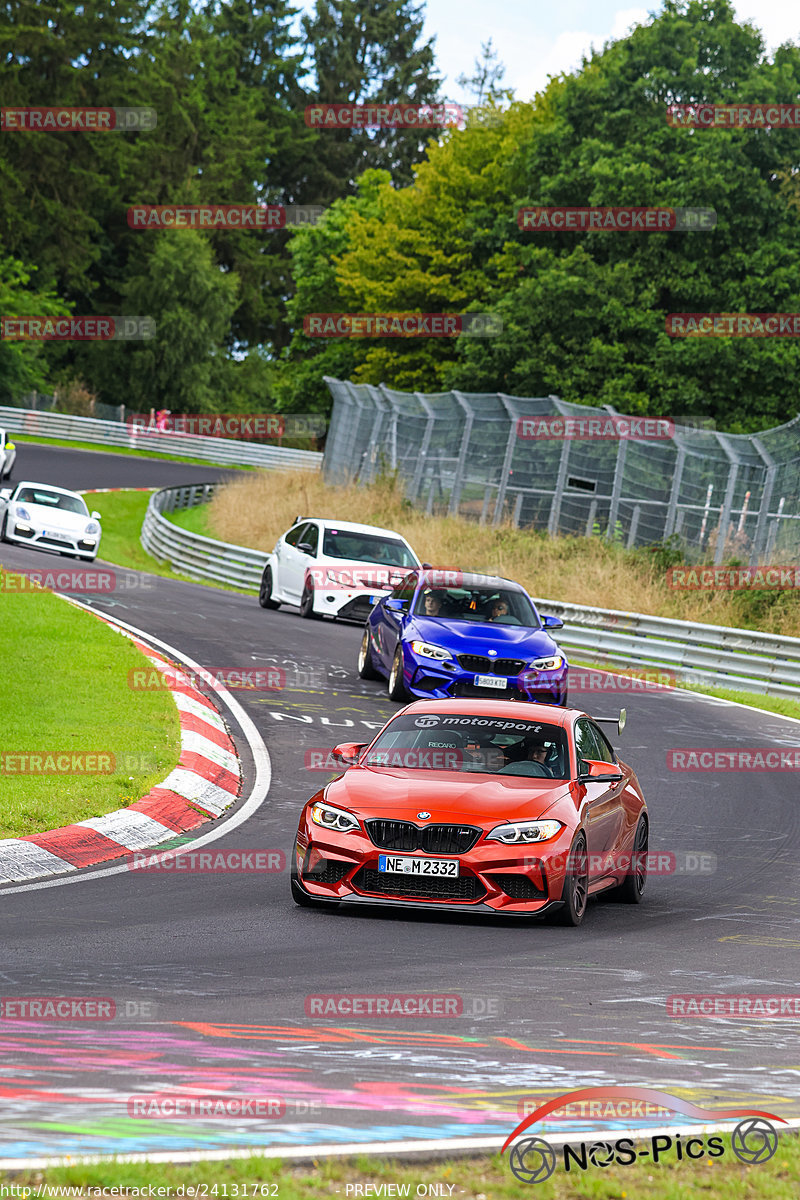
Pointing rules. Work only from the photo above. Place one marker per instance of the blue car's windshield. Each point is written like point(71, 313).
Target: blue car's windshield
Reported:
point(487, 745)
point(477, 604)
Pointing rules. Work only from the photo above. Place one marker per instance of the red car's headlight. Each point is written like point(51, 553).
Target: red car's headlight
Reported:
point(333, 818)
point(524, 831)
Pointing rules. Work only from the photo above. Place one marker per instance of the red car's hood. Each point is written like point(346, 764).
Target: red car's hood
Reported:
point(401, 793)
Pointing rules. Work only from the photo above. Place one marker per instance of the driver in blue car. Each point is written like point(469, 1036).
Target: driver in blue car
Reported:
point(433, 603)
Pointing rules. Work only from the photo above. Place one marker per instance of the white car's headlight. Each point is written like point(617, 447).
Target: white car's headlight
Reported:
point(92, 527)
point(22, 513)
point(554, 663)
point(333, 818)
point(524, 831)
point(426, 650)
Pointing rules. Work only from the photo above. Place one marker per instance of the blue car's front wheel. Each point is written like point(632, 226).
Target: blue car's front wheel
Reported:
point(397, 687)
point(365, 667)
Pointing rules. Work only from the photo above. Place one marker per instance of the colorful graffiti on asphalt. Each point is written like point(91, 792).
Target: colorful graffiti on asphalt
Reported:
point(65, 1090)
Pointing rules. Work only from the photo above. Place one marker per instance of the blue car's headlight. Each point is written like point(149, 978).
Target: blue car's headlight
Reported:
point(524, 831)
point(554, 663)
point(23, 513)
point(427, 650)
point(333, 818)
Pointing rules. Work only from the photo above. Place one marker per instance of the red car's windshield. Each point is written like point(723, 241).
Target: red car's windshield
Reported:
point(490, 745)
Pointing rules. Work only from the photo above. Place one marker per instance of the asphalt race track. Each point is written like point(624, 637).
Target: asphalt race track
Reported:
point(210, 973)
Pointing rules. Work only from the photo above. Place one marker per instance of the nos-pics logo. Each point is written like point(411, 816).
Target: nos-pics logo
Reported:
point(532, 1159)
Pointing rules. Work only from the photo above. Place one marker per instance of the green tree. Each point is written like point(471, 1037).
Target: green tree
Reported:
point(184, 367)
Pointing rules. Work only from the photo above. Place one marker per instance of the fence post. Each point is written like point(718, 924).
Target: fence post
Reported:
point(725, 515)
point(637, 510)
point(416, 481)
point(505, 470)
point(558, 495)
point(616, 488)
point(677, 479)
point(761, 533)
point(458, 481)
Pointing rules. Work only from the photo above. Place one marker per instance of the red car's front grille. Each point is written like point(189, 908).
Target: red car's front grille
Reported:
point(434, 839)
point(383, 883)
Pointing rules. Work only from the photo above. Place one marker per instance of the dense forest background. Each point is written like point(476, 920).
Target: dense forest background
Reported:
point(416, 222)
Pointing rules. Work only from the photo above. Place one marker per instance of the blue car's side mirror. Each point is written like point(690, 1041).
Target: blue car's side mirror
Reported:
point(549, 622)
point(395, 605)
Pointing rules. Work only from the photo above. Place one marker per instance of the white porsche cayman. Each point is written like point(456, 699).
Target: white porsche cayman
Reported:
point(49, 518)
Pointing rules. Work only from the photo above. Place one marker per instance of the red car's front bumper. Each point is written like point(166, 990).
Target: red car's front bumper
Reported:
point(520, 880)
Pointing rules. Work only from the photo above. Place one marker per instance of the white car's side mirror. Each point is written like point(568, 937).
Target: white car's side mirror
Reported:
point(96, 516)
point(5, 493)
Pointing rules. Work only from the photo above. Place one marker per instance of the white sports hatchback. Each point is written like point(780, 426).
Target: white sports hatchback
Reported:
point(334, 568)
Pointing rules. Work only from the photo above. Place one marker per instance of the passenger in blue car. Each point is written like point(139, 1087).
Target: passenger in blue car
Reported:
point(501, 613)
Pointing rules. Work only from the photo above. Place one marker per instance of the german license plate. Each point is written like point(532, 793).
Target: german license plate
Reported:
point(418, 866)
point(58, 537)
point(494, 681)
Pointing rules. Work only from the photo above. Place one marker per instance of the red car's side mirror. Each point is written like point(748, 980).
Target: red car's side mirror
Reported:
point(348, 752)
point(598, 771)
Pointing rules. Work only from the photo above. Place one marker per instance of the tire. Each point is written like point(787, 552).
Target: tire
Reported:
point(265, 590)
point(365, 667)
point(576, 885)
point(630, 892)
point(397, 688)
point(307, 603)
point(3, 537)
point(299, 893)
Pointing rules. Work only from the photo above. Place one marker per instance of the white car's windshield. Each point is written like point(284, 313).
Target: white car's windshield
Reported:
point(366, 547)
point(72, 504)
point(490, 745)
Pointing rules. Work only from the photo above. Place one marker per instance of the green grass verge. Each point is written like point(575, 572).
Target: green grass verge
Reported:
point(122, 514)
point(65, 683)
point(484, 1178)
point(193, 520)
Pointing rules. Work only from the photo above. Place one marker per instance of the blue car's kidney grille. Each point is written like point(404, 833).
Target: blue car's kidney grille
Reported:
point(435, 839)
point(491, 666)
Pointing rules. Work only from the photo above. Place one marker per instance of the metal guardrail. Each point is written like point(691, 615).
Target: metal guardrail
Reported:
point(707, 655)
point(182, 445)
point(193, 554)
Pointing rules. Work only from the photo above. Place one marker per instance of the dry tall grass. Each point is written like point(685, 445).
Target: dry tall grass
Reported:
point(254, 511)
